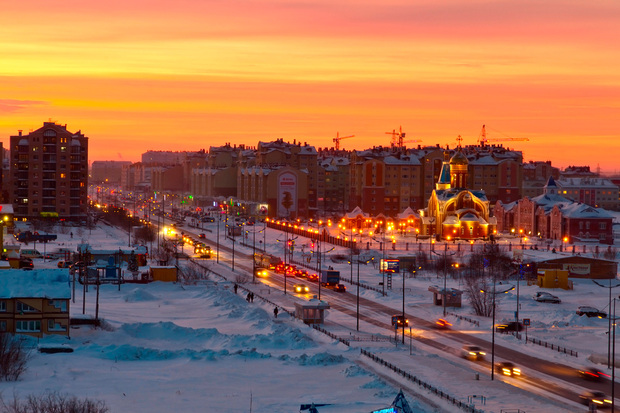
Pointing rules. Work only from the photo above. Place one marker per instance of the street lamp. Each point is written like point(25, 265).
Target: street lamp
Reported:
point(494, 292)
point(445, 276)
point(609, 328)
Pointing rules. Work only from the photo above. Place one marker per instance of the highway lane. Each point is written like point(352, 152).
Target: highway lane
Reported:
point(570, 384)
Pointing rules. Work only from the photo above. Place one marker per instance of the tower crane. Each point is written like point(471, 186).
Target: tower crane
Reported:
point(338, 138)
point(483, 138)
point(397, 137)
point(412, 141)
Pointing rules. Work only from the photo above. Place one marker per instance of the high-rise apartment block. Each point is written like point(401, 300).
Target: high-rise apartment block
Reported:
point(49, 173)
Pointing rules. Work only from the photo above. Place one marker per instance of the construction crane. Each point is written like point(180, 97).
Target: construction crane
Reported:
point(397, 137)
point(483, 138)
point(338, 138)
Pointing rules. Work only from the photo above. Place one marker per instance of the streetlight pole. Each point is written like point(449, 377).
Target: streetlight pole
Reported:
point(403, 272)
point(219, 221)
point(358, 293)
point(351, 252)
point(253, 257)
point(445, 275)
point(609, 328)
point(494, 292)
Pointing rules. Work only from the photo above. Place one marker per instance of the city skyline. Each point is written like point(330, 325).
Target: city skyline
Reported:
point(165, 75)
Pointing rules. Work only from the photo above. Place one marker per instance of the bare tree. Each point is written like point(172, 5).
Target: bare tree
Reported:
point(481, 302)
point(610, 254)
point(145, 234)
point(13, 357)
point(165, 252)
point(191, 273)
point(52, 403)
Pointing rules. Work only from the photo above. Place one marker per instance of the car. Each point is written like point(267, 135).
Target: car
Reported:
point(202, 236)
point(399, 321)
point(511, 326)
point(261, 272)
point(590, 312)
point(65, 264)
point(301, 273)
point(507, 369)
point(443, 323)
point(472, 352)
point(545, 297)
point(208, 219)
point(340, 288)
point(26, 263)
point(590, 373)
point(598, 398)
point(301, 288)
point(313, 277)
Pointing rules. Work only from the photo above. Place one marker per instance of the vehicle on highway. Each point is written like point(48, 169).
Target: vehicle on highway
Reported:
point(590, 312)
point(545, 297)
point(591, 373)
point(64, 264)
point(202, 236)
point(208, 219)
point(313, 277)
point(399, 321)
point(473, 353)
point(507, 327)
point(443, 323)
point(598, 398)
point(340, 288)
point(301, 288)
point(507, 369)
point(301, 273)
point(261, 272)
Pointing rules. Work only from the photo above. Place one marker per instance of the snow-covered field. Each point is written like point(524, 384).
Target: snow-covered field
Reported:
point(204, 348)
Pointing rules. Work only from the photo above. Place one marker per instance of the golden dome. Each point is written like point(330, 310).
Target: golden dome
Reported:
point(459, 159)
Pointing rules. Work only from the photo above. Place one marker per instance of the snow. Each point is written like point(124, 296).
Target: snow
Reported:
point(170, 347)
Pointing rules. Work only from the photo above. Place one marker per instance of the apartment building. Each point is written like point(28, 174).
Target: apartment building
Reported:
point(49, 173)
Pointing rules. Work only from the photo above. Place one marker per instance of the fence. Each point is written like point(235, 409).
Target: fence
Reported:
point(552, 346)
point(460, 317)
point(465, 406)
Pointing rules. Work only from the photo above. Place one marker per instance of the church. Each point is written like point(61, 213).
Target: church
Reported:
point(455, 212)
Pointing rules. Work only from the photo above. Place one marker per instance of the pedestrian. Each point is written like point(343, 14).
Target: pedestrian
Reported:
point(71, 234)
point(275, 312)
point(251, 297)
point(248, 298)
point(236, 287)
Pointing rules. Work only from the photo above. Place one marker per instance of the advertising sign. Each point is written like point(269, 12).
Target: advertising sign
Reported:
point(577, 269)
point(390, 265)
point(287, 194)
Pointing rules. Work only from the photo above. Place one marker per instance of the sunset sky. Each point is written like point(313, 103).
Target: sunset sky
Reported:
point(135, 75)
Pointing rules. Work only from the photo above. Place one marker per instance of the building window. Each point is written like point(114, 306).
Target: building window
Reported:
point(59, 304)
point(54, 326)
point(28, 326)
point(3, 306)
point(587, 224)
point(2, 326)
point(25, 308)
point(602, 226)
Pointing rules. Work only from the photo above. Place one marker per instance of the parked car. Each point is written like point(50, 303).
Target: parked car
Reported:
point(511, 326)
point(597, 398)
point(507, 369)
point(65, 264)
point(545, 297)
point(590, 312)
point(473, 353)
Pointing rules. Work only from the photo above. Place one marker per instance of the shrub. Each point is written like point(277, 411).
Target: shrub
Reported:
point(13, 357)
point(52, 403)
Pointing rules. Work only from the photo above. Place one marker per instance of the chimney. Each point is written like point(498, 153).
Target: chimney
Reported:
point(20, 132)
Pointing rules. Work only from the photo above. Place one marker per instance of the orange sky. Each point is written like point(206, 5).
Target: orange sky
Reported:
point(135, 75)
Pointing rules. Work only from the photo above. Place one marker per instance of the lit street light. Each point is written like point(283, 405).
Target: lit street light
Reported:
point(494, 292)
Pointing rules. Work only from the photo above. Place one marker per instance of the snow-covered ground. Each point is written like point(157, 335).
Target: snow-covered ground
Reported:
point(204, 348)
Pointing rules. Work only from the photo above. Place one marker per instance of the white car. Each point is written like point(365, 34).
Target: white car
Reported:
point(545, 297)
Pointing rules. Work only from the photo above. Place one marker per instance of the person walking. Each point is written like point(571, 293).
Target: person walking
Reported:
point(251, 297)
point(275, 312)
point(236, 287)
point(247, 298)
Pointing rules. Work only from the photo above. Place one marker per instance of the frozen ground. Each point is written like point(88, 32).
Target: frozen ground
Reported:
point(203, 348)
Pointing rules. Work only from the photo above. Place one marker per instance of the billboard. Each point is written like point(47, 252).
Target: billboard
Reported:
point(287, 194)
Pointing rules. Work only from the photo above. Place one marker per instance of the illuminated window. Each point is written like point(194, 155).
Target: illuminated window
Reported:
point(63, 175)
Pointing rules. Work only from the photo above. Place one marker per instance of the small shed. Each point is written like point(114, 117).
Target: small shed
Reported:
point(163, 273)
point(549, 278)
point(451, 295)
point(311, 311)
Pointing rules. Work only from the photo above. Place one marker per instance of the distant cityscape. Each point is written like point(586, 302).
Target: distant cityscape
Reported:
point(466, 192)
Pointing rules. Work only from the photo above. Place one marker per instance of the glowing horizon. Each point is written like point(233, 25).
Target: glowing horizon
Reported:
point(161, 75)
